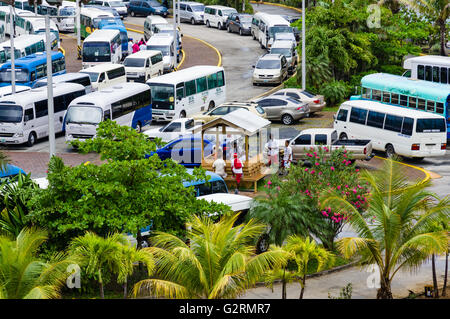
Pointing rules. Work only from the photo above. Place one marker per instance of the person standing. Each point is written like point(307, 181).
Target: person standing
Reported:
point(287, 157)
point(130, 46)
point(236, 168)
point(135, 47)
point(219, 166)
point(142, 46)
point(272, 151)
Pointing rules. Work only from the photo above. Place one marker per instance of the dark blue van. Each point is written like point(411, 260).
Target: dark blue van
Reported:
point(145, 8)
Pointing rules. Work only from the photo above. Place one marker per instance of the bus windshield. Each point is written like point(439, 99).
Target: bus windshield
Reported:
point(17, 53)
point(162, 93)
point(10, 113)
point(134, 62)
point(283, 51)
point(96, 52)
point(165, 50)
point(430, 125)
point(21, 75)
point(93, 76)
point(67, 11)
point(84, 115)
point(96, 21)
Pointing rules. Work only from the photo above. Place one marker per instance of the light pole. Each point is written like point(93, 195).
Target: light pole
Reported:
point(178, 13)
point(13, 57)
point(303, 47)
point(78, 12)
point(175, 39)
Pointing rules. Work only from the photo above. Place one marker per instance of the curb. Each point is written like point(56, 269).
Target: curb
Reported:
point(318, 274)
point(278, 5)
point(182, 60)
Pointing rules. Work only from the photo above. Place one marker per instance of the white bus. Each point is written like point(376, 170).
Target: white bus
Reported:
point(268, 25)
point(7, 90)
point(102, 46)
point(34, 25)
point(182, 93)
point(67, 8)
point(24, 116)
point(4, 20)
point(23, 45)
point(127, 104)
point(90, 19)
point(393, 129)
point(433, 68)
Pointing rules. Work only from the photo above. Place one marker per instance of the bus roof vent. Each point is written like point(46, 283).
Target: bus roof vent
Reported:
point(85, 103)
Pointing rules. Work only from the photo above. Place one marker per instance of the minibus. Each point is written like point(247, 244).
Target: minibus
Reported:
point(191, 11)
point(25, 45)
point(143, 65)
point(216, 16)
point(105, 75)
point(102, 46)
point(80, 78)
point(7, 90)
point(165, 44)
point(432, 68)
point(34, 25)
point(268, 25)
point(392, 129)
point(128, 104)
point(150, 23)
point(113, 25)
point(67, 8)
point(188, 91)
point(31, 68)
point(90, 19)
point(24, 116)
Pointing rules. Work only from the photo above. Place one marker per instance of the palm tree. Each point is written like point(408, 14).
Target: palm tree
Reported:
point(220, 261)
point(303, 252)
point(100, 255)
point(23, 275)
point(4, 161)
point(393, 233)
point(280, 273)
point(442, 225)
point(438, 10)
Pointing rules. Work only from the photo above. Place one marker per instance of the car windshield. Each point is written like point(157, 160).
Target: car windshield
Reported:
point(245, 19)
point(171, 127)
point(227, 12)
point(199, 8)
point(268, 64)
point(430, 125)
point(21, 75)
point(84, 115)
point(283, 51)
point(116, 4)
point(10, 113)
point(96, 52)
point(284, 36)
point(154, 4)
point(93, 76)
point(280, 29)
point(165, 50)
point(134, 62)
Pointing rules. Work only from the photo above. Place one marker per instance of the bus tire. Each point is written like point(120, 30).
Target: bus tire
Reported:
point(192, 21)
point(31, 139)
point(390, 151)
point(219, 26)
point(138, 127)
point(263, 244)
point(207, 24)
point(211, 105)
point(182, 114)
point(343, 136)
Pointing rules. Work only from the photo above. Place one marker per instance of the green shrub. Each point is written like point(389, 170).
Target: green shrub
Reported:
point(335, 92)
point(392, 69)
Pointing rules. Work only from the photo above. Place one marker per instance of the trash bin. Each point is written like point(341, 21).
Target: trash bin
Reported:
point(429, 291)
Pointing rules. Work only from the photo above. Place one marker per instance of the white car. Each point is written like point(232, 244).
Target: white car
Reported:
point(174, 129)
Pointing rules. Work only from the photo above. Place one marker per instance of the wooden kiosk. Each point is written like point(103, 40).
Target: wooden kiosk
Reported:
point(244, 128)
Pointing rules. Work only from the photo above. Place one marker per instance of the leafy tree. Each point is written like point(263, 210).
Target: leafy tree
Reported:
point(283, 274)
point(124, 194)
point(24, 275)
point(219, 262)
point(393, 233)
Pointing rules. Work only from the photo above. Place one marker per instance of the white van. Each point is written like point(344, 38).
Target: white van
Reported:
point(392, 129)
point(77, 77)
point(102, 46)
point(143, 65)
point(150, 24)
point(105, 75)
point(269, 24)
point(216, 16)
point(118, 5)
point(192, 12)
point(165, 44)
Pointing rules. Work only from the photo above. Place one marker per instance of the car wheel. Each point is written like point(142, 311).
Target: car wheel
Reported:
point(132, 13)
point(390, 152)
point(138, 127)
point(182, 114)
point(192, 21)
point(287, 119)
point(229, 29)
point(31, 139)
point(219, 26)
point(207, 24)
point(240, 31)
point(343, 136)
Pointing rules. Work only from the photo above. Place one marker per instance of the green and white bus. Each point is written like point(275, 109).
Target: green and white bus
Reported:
point(90, 19)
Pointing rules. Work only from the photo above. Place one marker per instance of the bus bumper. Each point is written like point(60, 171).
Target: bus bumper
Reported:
point(13, 140)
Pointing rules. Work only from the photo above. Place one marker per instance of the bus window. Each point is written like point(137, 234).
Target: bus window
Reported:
point(428, 73)
point(212, 81)
point(440, 108)
point(190, 88)
point(393, 123)
point(394, 99)
point(444, 75)
point(386, 97)
point(407, 126)
point(421, 104)
point(342, 115)
point(358, 116)
point(180, 91)
point(375, 119)
point(430, 106)
point(376, 95)
point(220, 79)
point(421, 72)
point(403, 100)
point(366, 93)
point(201, 84)
point(412, 102)
point(435, 74)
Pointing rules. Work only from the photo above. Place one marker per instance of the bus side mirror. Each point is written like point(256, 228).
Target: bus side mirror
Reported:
point(334, 116)
point(26, 118)
point(61, 119)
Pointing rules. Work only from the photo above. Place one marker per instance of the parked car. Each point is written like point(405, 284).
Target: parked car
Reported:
point(216, 16)
point(320, 137)
point(239, 23)
point(145, 8)
point(289, 36)
point(174, 129)
point(286, 48)
point(316, 102)
point(143, 65)
point(270, 69)
point(226, 108)
point(118, 5)
point(192, 12)
point(286, 109)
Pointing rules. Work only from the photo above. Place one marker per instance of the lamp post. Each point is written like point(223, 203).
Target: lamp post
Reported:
point(303, 47)
point(13, 57)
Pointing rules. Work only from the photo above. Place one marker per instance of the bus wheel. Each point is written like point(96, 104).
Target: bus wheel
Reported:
point(211, 105)
point(192, 21)
point(138, 127)
point(343, 136)
point(390, 152)
point(207, 24)
point(263, 244)
point(31, 139)
point(182, 114)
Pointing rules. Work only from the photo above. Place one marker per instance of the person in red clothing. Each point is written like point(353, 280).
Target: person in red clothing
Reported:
point(236, 168)
point(135, 47)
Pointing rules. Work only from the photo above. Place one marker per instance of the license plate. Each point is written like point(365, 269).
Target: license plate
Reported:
point(3, 140)
point(266, 80)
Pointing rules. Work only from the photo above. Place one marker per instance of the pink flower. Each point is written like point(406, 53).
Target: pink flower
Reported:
point(313, 171)
point(317, 164)
point(269, 183)
point(332, 168)
point(320, 173)
point(357, 170)
point(339, 187)
point(306, 169)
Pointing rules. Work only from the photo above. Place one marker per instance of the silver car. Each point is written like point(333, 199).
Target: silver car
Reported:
point(192, 12)
point(286, 48)
point(286, 109)
point(316, 102)
point(270, 68)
